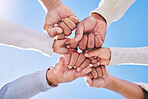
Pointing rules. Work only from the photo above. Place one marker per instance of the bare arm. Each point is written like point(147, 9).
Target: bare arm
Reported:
point(126, 89)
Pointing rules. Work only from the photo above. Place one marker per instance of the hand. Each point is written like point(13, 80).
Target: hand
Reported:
point(59, 47)
point(99, 77)
point(93, 28)
point(60, 20)
point(102, 54)
point(76, 60)
point(60, 73)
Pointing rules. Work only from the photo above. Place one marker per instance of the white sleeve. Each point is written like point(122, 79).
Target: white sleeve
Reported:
point(137, 56)
point(113, 10)
point(21, 37)
point(143, 85)
point(26, 86)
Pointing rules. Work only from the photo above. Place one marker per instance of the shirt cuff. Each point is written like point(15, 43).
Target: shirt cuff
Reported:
point(113, 10)
point(142, 85)
point(40, 81)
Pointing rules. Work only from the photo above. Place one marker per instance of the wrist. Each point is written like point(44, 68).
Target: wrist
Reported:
point(50, 4)
point(51, 78)
point(98, 16)
point(111, 83)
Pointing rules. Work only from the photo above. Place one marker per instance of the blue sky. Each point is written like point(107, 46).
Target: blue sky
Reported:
point(129, 31)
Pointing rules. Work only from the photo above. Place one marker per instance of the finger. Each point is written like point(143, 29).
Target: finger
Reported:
point(60, 43)
point(90, 43)
point(99, 71)
point(104, 62)
point(94, 73)
point(83, 42)
point(74, 19)
point(84, 72)
point(91, 58)
point(60, 63)
point(94, 61)
point(88, 80)
point(53, 31)
point(93, 53)
point(96, 64)
point(67, 59)
point(84, 65)
point(90, 75)
point(67, 31)
point(73, 43)
point(73, 60)
point(80, 60)
point(60, 36)
point(62, 51)
point(70, 23)
point(79, 31)
point(98, 41)
point(103, 71)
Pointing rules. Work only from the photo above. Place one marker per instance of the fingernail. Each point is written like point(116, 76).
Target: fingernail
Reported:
point(67, 42)
point(102, 42)
point(78, 69)
point(98, 63)
point(59, 31)
point(68, 46)
point(96, 33)
point(77, 37)
point(86, 54)
point(75, 67)
point(69, 66)
point(104, 76)
point(55, 25)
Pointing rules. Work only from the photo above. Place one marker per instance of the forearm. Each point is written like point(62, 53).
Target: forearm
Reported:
point(49, 4)
point(137, 56)
point(25, 87)
point(113, 10)
point(126, 89)
point(21, 37)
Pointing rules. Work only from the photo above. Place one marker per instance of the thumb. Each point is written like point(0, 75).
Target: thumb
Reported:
point(79, 31)
point(60, 63)
point(92, 53)
point(53, 31)
point(73, 43)
point(84, 72)
point(62, 51)
point(61, 42)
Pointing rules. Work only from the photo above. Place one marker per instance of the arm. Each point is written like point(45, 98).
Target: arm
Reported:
point(29, 85)
point(113, 10)
point(59, 20)
point(137, 56)
point(21, 37)
point(26, 86)
point(117, 56)
point(126, 89)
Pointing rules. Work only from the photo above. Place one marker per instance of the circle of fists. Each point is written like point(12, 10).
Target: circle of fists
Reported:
point(89, 37)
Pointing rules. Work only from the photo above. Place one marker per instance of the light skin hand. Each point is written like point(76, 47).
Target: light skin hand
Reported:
point(59, 47)
point(60, 73)
point(95, 26)
point(59, 18)
point(76, 60)
point(103, 54)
